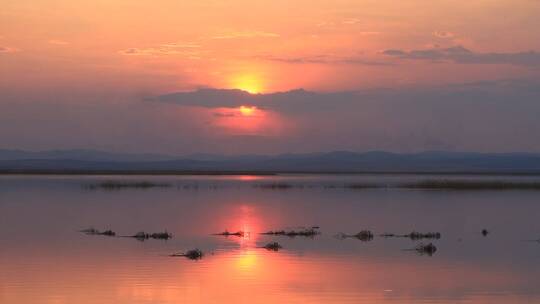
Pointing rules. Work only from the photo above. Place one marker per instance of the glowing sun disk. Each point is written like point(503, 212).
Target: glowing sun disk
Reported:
point(248, 83)
point(247, 111)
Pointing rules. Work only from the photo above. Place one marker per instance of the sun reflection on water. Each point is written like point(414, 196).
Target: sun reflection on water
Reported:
point(246, 260)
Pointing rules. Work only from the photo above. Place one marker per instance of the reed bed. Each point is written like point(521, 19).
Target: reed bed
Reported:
point(425, 249)
point(118, 185)
point(193, 254)
point(228, 233)
point(142, 236)
point(273, 246)
point(93, 231)
point(306, 232)
point(443, 184)
point(364, 236)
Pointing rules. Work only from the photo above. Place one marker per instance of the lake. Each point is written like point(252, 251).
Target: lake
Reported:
point(44, 258)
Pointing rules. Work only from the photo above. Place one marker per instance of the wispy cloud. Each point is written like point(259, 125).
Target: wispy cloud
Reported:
point(444, 34)
point(325, 59)
point(351, 21)
point(189, 49)
point(6, 49)
point(58, 42)
point(245, 34)
point(462, 55)
point(182, 45)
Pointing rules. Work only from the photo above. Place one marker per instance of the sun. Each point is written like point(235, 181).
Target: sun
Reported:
point(248, 83)
point(247, 111)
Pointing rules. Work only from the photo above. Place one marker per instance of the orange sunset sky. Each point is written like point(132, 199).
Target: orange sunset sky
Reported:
point(389, 75)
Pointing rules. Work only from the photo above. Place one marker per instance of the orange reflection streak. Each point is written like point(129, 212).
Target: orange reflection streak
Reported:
point(248, 222)
point(244, 218)
point(248, 178)
point(247, 120)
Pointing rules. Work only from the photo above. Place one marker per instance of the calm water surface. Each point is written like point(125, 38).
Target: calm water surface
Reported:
point(44, 259)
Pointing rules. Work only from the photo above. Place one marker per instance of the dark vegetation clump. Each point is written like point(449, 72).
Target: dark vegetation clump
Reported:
point(364, 236)
point(227, 233)
point(424, 249)
point(93, 231)
point(273, 246)
point(414, 235)
point(194, 254)
point(161, 235)
point(142, 236)
point(286, 186)
point(485, 232)
point(419, 236)
point(360, 186)
point(90, 231)
point(306, 232)
point(118, 185)
point(108, 233)
point(275, 186)
point(436, 184)
point(189, 186)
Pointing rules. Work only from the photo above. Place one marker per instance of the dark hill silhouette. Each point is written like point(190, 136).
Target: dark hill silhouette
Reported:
point(331, 162)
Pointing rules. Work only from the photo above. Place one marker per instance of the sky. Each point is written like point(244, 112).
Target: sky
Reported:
point(267, 77)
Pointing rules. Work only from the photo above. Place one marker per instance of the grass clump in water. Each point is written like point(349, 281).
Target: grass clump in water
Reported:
point(194, 254)
point(419, 236)
point(414, 235)
point(143, 236)
point(93, 231)
point(424, 249)
point(273, 246)
point(227, 233)
point(306, 232)
point(364, 236)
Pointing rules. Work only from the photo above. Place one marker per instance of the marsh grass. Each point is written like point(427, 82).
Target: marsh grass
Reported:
point(93, 231)
point(194, 254)
point(428, 184)
point(364, 236)
point(118, 185)
point(306, 232)
point(438, 184)
point(277, 186)
point(273, 246)
point(425, 249)
point(419, 236)
point(227, 233)
point(143, 236)
point(288, 186)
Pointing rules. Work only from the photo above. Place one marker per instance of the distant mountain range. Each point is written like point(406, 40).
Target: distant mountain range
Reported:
point(90, 161)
